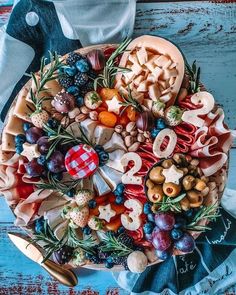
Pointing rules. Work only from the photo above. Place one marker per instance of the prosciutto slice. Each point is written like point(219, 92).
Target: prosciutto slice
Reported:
point(212, 143)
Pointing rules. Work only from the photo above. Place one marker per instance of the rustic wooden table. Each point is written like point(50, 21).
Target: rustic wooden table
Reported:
point(206, 31)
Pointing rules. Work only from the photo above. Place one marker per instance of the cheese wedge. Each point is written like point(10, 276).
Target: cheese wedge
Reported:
point(100, 184)
point(115, 143)
point(102, 134)
point(88, 127)
point(114, 160)
point(111, 176)
point(14, 125)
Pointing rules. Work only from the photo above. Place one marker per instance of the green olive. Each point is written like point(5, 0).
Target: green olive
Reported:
point(171, 189)
point(167, 163)
point(188, 182)
point(156, 175)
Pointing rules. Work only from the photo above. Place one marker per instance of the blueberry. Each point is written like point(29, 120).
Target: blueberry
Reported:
point(58, 176)
point(117, 194)
point(109, 264)
point(92, 204)
point(176, 234)
point(99, 148)
point(163, 255)
point(180, 222)
point(88, 255)
point(39, 225)
point(109, 259)
point(154, 132)
point(120, 188)
point(42, 160)
point(82, 65)
point(52, 123)
point(120, 200)
point(70, 71)
point(26, 126)
point(147, 208)
point(74, 90)
point(19, 149)
point(120, 230)
point(87, 230)
point(189, 213)
point(148, 228)
point(151, 217)
point(104, 157)
point(79, 101)
point(71, 193)
point(160, 124)
point(20, 139)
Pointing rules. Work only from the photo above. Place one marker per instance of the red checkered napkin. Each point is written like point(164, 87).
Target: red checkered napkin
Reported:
point(81, 161)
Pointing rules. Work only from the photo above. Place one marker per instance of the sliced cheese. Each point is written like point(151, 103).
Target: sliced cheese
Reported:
point(102, 134)
point(138, 80)
point(111, 176)
point(14, 125)
point(161, 61)
point(116, 142)
point(136, 68)
point(139, 96)
point(143, 86)
point(60, 229)
point(100, 184)
point(8, 142)
point(150, 64)
point(169, 73)
point(114, 160)
point(157, 73)
point(142, 55)
point(154, 91)
point(148, 103)
point(129, 77)
point(23, 108)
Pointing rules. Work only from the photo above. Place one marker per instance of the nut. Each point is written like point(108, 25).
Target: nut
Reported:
point(184, 203)
point(140, 137)
point(212, 185)
point(134, 147)
point(129, 140)
point(80, 118)
point(65, 121)
point(118, 128)
point(188, 158)
point(194, 162)
point(133, 132)
point(57, 116)
point(205, 192)
point(205, 179)
point(167, 163)
point(72, 114)
point(140, 131)
point(147, 134)
point(93, 115)
point(156, 175)
point(130, 126)
point(84, 110)
point(124, 133)
point(200, 184)
point(148, 140)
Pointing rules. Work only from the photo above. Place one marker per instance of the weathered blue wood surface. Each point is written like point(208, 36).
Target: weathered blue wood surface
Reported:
point(205, 31)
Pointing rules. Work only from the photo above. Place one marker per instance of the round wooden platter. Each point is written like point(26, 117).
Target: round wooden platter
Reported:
point(85, 50)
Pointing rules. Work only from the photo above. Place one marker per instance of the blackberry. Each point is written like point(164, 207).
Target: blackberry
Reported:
point(81, 79)
point(65, 81)
point(119, 260)
point(95, 259)
point(126, 240)
point(125, 265)
point(102, 255)
point(63, 255)
point(73, 58)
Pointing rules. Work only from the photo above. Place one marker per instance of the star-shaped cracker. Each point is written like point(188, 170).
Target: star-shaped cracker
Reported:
point(173, 174)
point(106, 212)
point(114, 105)
point(30, 151)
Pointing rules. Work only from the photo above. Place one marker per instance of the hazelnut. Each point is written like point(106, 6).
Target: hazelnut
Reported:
point(72, 114)
point(200, 184)
point(129, 140)
point(118, 128)
point(85, 110)
point(147, 134)
point(167, 163)
point(65, 121)
point(205, 191)
point(188, 182)
point(140, 137)
point(124, 133)
point(156, 175)
point(80, 118)
point(184, 203)
point(133, 132)
point(130, 126)
point(155, 194)
point(192, 170)
point(93, 115)
point(171, 189)
point(134, 147)
point(188, 158)
point(205, 179)
point(195, 198)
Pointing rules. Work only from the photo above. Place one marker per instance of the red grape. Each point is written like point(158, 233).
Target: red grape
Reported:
point(186, 243)
point(56, 162)
point(33, 168)
point(155, 230)
point(165, 221)
point(33, 134)
point(43, 144)
point(161, 240)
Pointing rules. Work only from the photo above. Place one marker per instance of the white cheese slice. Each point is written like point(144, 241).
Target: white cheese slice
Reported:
point(143, 86)
point(114, 160)
point(173, 65)
point(116, 142)
point(60, 229)
point(102, 134)
point(161, 61)
point(111, 176)
point(128, 77)
point(88, 127)
point(133, 58)
point(55, 200)
point(163, 84)
point(167, 64)
point(136, 68)
point(100, 184)
point(150, 64)
point(14, 125)
point(157, 72)
point(142, 56)
point(151, 78)
point(154, 92)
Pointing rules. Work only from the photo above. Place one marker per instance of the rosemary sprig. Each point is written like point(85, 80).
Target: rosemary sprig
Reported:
point(46, 75)
point(107, 77)
point(112, 244)
point(194, 76)
point(61, 136)
point(169, 204)
point(205, 212)
point(130, 101)
point(63, 187)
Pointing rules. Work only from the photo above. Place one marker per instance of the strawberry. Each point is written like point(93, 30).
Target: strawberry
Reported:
point(158, 109)
point(92, 100)
point(173, 115)
point(95, 223)
point(79, 216)
point(39, 118)
point(83, 196)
